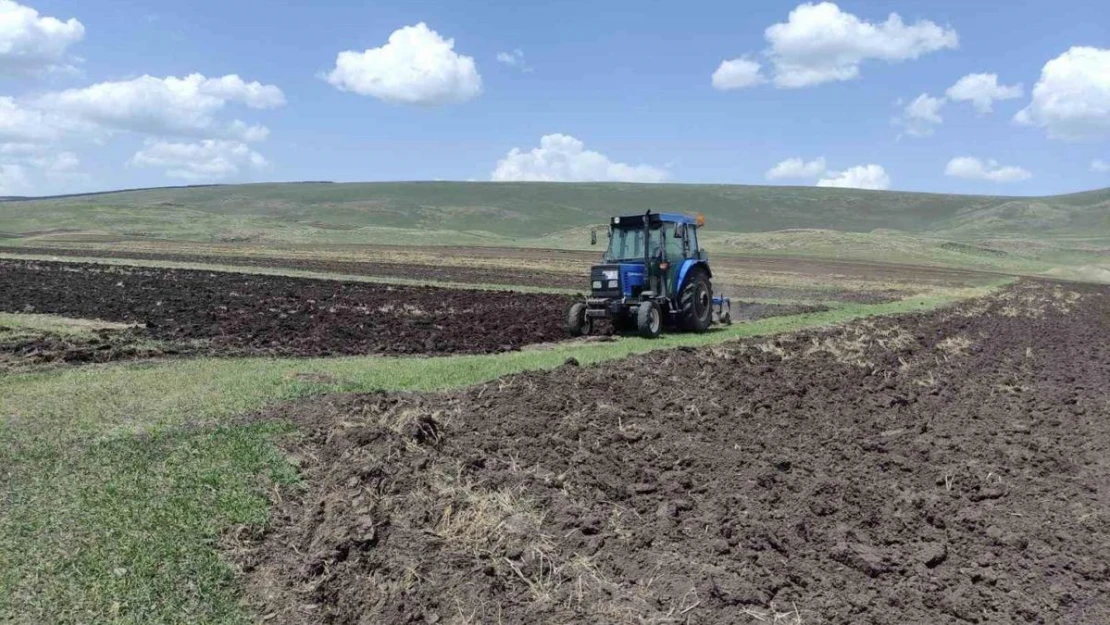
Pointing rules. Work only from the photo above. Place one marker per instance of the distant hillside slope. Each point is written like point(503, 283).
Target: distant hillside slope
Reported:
point(530, 210)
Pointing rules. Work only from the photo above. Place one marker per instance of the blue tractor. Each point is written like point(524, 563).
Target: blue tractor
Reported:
point(653, 274)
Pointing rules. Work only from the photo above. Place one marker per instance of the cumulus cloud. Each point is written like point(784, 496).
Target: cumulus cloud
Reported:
point(820, 43)
point(1100, 166)
point(982, 90)
point(858, 177)
point(32, 165)
point(797, 168)
point(20, 124)
point(737, 74)
point(1072, 98)
point(205, 160)
point(972, 168)
point(32, 43)
point(416, 66)
point(514, 59)
point(921, 116)
point(562, 158)
point(168, 106)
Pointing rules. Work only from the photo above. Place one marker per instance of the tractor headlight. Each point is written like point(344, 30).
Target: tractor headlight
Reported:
point(612, 284)
point(597, 285)
point(609, 274)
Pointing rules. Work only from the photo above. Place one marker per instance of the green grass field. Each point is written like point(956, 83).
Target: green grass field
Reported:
point(1067, 234)
point(119, 481)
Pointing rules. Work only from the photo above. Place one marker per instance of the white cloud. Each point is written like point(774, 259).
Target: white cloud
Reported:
point(19, 124)
point(31, 43)
point(35, 167)
point(1072, 98)
point(206, 160)
point(13, 179)
point(416, 66)
point(858, 177)
point(1100, 166)
point(737, 74)
point(982, 90)
point(251, 134)
point(922, 115)
point(166, 106)
point(797, 168)
point(819, 43)
point(514, 59)
point(973, 168)
point(562, 158)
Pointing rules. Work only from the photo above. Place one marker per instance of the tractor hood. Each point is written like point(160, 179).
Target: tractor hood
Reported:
point(618, 279)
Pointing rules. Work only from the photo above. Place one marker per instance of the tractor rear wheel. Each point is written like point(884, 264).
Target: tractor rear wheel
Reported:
point(696, 303)
point(578, 324)
point(649, 320)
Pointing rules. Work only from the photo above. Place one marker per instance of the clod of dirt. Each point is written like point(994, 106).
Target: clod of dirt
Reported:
point(422, 429)
point(933, 555)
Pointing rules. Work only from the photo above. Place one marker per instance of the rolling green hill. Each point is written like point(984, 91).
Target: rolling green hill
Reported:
point(1032, 234)
point(530, 210)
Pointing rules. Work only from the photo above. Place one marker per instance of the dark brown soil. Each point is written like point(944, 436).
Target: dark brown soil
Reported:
point(258, 314)
point(754, 311)
point(409, 271)
point(951, 467)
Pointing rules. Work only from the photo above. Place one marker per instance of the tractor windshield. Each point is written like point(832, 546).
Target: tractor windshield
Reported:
point(628, 244)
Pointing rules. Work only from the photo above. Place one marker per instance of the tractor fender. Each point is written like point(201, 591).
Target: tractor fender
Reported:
point(688, 265)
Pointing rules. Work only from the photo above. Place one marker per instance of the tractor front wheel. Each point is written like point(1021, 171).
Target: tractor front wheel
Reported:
point(578, 324)
point(696, 303)
point(649, 320)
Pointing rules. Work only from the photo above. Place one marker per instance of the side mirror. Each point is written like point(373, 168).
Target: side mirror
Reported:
point(593, 237)
point(680, 231)
point(703, 255)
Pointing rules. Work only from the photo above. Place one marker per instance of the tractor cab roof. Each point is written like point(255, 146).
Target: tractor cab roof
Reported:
point(655, 218)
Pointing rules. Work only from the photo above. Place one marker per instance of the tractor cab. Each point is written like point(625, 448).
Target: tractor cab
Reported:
point(653, 273)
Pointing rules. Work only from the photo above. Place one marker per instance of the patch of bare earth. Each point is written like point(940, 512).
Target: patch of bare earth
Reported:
point(932, 468)
point(249, 314)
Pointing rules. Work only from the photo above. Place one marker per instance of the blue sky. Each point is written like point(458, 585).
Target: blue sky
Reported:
point(621, 90)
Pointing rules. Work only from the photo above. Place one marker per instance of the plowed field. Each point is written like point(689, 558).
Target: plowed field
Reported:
point(192, 312)
point(950, 467)
point(409, 271)
point(236, 313)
